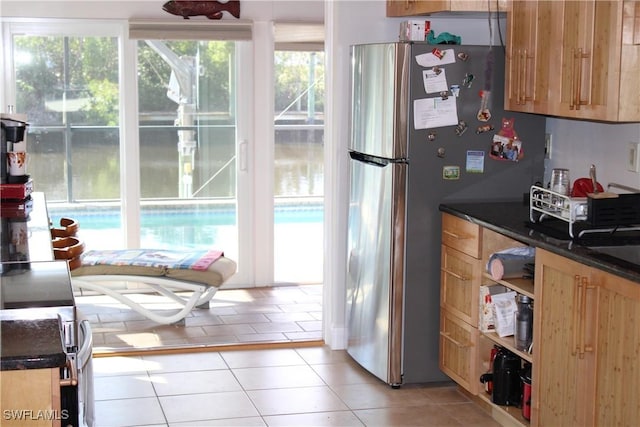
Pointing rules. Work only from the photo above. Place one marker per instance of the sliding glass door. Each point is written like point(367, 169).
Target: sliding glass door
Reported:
point(188, 133)
point(172, 182)
point(155, 139)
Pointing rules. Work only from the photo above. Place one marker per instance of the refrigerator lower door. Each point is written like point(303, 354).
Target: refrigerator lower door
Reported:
point(376, 267)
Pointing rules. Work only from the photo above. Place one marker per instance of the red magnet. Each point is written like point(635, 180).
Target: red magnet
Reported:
point(437, 52)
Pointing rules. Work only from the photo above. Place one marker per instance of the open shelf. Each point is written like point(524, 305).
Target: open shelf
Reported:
point(512, 413)
point(521, 286)
point(509, 344)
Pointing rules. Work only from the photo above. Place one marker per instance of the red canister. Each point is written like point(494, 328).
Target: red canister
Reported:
point(526, 391)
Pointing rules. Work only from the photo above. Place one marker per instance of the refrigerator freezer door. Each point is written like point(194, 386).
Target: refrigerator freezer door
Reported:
point(379, 82)
point(375, 267)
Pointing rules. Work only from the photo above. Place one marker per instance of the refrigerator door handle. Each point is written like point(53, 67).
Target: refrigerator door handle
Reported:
point(373, 160)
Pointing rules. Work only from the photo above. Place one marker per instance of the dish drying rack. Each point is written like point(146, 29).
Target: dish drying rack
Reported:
point(549, 203)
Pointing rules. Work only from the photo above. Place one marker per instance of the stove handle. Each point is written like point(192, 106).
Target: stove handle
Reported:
point(72, 368)
point(86, 346)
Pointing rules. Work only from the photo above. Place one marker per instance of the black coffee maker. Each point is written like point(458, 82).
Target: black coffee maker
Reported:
point(3, 153)
point(507, 384)
point(13, 139)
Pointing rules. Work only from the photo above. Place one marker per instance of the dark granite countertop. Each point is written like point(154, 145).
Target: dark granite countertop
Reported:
point(35, 293)
point(512, 220)
point(31, 344)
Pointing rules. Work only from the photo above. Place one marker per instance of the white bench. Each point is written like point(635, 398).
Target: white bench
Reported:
point(165, 272)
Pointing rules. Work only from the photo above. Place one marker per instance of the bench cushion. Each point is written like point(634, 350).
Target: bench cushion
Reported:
point(207, 267)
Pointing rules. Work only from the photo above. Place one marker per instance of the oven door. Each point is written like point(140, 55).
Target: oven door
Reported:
point(76, 395)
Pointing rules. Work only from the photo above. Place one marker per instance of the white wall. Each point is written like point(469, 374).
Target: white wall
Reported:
point(255, 10)
point(577, 145)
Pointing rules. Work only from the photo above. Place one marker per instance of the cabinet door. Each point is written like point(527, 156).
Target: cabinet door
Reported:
point(423, 7)
point(460, 284)
point(591, 52)
point(587, 370)
point(617, 374)
point(458, 351)
point(35, 392)
point(414, 7)
point(461, 235)
point(561, 373)
point(529, 57)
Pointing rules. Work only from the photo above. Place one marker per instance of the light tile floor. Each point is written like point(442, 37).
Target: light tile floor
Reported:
point(278, 314)
point(311, 386)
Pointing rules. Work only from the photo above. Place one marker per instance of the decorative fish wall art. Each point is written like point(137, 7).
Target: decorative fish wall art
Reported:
point(212, 9)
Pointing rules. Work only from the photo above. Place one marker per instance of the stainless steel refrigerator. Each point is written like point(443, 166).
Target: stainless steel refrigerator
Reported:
point(414, 145)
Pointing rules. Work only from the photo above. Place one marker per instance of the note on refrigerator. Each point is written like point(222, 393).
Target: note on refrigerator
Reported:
point(447, 56)
point(434, 82)
point(434, 112)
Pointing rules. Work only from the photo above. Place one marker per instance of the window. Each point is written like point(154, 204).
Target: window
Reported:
point(68, 88)
point(298, 153)
point(187, 122)
point(175, 174)
point(146, 137)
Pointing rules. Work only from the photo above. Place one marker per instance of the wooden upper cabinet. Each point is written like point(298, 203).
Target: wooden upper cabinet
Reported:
point(590, 76)
point(425, 7)
point(577, 59)
point(530, 51)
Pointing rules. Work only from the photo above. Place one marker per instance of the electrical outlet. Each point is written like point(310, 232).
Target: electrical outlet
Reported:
point(547, 145)
point(632, 157)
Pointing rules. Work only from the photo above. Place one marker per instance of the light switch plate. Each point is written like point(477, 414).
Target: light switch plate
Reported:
point(632, 157)
point(547, 145)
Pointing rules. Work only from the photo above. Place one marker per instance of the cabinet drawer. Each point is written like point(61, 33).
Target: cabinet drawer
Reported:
point(458, 351)
point(460, 277)
point(461, 235)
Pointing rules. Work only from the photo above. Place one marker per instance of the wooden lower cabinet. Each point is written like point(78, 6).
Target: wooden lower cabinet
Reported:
point(458, 349)
point(460, 275)
point(459, 279)
point(586, 334)
point(30, 398)
point(586, 346)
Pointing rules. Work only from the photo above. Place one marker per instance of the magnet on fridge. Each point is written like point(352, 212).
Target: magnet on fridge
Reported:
point(484, 115)
point(451, 172)
point(437, 70)
point(468, 79)
point(441, 152)
point(462, 56)
point(438, 53)
point(431, 136)
point(484, 128)
point(444, 95)
point(455, 90)
point(461, 127)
